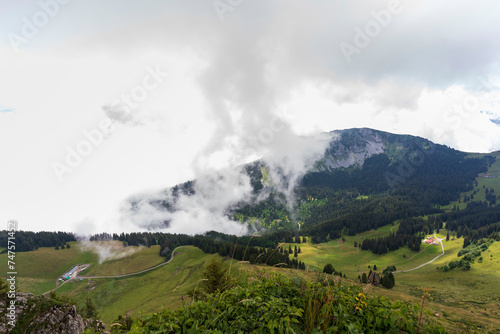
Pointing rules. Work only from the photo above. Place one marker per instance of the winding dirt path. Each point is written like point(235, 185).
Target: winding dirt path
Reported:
point(136, 273)
point(420, 266)
point(116, 276)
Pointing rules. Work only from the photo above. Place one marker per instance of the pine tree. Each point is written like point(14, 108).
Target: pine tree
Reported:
point(328, 269)
point(364, 278)
point(388, 280)
point(215, 277)
point(90, 309)
point(448, 236)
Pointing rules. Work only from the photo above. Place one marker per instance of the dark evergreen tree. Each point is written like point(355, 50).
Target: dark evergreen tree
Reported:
point(215, 277)
point(328, 269)
point(90, 308)
point(388, 280)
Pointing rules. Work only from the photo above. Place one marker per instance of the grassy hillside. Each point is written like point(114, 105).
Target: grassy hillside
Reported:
point(139, 258)
point(350, 260)
point(462, 298)
point(39, 270)
point(144, 293)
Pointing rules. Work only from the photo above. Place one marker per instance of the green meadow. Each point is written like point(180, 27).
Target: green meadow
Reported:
point(163, 287)
point(137, 259)
point(39, 270)
point(351, 260)
point(464, 300)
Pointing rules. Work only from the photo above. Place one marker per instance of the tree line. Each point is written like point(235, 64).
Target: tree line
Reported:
point(276, 256)
point(26, 241)
point(478, 220)
point(391, 243)
point(254, 249)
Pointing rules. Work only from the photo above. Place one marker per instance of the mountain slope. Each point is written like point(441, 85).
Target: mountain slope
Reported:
point(363, 175)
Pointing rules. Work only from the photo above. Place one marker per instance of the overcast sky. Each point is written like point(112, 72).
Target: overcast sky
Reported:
point(102, 100)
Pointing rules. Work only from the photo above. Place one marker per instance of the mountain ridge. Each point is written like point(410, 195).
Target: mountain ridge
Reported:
point(357, 163)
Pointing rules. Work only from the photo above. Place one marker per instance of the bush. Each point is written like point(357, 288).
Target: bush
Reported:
point(328, 269)
point(389, 269)
point(274, 303)
point(388, 280)
point(453, 264)
point(215, 278)
point(466, 265)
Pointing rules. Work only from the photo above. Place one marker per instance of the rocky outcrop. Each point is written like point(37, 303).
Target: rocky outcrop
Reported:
point(351, 148)
point(41, 315)
point(11, 314)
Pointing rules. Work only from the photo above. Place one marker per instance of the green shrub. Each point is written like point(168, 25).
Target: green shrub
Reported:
point(328, 269)
point(274, 303)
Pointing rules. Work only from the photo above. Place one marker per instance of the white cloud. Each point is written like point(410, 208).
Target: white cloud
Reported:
point(237, 89)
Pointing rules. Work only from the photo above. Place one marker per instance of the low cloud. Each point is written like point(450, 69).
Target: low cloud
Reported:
point(107, 250)
point(189, 213)
point(207, 204)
